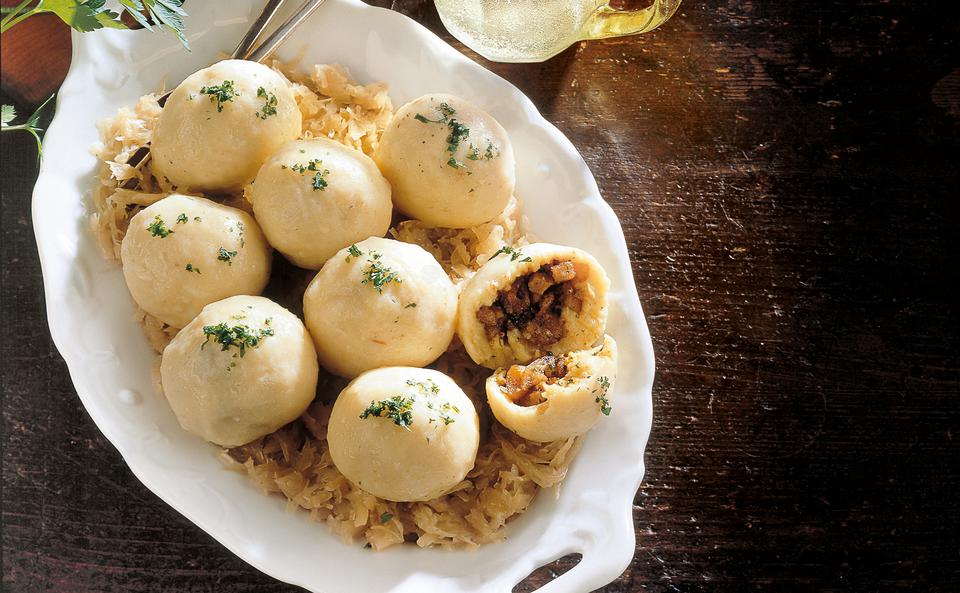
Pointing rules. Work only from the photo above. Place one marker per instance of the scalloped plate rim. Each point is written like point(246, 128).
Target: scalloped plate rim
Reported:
point(577, 578)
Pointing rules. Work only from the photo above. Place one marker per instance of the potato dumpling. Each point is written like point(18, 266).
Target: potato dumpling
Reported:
point(404, 434)
point(530, 301)
point(220, 124)
point(380, 303)
point(242, 369)
point(182, 252)
point(449, 162)
point(315, 197)
point(555, 397)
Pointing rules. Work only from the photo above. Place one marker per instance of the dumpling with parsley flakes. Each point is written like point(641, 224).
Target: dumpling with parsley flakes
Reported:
point(314, 197)
point(380, 303)
point(555, 396)
point(242, 369)
point(450, 163)
point(528, 301)
point(182, 252)
point(220, 124)
point(404, 434)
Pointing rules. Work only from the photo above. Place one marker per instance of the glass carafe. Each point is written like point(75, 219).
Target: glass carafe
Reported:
point(535, 30)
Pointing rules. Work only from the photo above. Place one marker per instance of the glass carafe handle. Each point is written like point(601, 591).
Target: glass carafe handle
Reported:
point(611, 22)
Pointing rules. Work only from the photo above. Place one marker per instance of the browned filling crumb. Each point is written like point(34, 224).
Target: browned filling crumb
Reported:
point(524, 384)
point(533, 303)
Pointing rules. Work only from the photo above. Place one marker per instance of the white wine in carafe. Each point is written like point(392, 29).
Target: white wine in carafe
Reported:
point(535, 30)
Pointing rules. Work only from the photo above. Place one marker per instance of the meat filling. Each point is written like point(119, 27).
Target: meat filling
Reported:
point(524, 384)
point(533, 303)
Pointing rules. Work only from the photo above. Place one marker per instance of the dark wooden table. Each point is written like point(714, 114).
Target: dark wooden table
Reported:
point(787, 178)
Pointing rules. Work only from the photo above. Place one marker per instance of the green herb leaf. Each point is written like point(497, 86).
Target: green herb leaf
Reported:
point(182, 219)
point(601, 393)
point(158, 228)
point(514, 254)
point(170, 13)
point(396, 408)
point(353, 251)
point(378, 275)
point(269, 103)
point(85, 16)
point(239, 336)
point(220, 93)
point(385, 517)
point(226, 256)
point(191, 268)
point(30, 126)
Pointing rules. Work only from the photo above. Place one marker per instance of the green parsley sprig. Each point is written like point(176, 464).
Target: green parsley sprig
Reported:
point(269, 103)
point(90, 15)
point(158, 228)
point(377, 274)
point(396, 408)
point(601, 393)
point(8, 113)
point(458, 132)
point(220, 93)
point(238, 336)
point(514, 254)
point(318, 182)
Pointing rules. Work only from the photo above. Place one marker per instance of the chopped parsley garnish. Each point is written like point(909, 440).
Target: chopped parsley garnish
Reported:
point(158, 228)
point(386, 517)
point(353, 251)
point(269, 103)
point(378, 275)
point(445, 410)
point(474, 153)
point(220, 93)
point(458, 132)
point(602, 395)
point(182, 219)
point(410, 306)
point(191, 268)
point(238, 226)
point(396, 408)
point(425, 387)
point(227, 256)
point(318, 182)
point(196, 219)
point(514, 254)
point(238, 336)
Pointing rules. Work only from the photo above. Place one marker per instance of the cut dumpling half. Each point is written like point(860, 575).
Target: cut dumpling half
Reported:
point(530, 301)
point(555, 397)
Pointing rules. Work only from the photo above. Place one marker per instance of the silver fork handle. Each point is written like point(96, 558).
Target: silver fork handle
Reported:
point(283, 32)
point(256, 29)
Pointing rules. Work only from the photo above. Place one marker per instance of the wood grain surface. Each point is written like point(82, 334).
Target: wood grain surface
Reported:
point(786, 174)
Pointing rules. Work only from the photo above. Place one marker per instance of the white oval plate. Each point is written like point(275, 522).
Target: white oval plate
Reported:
point(90, 314)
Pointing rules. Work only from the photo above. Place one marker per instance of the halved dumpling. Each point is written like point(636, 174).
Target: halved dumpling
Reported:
point(555, 397)
point(529, 301)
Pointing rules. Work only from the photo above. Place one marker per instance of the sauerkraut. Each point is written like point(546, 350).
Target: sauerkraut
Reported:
point(294, 461)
